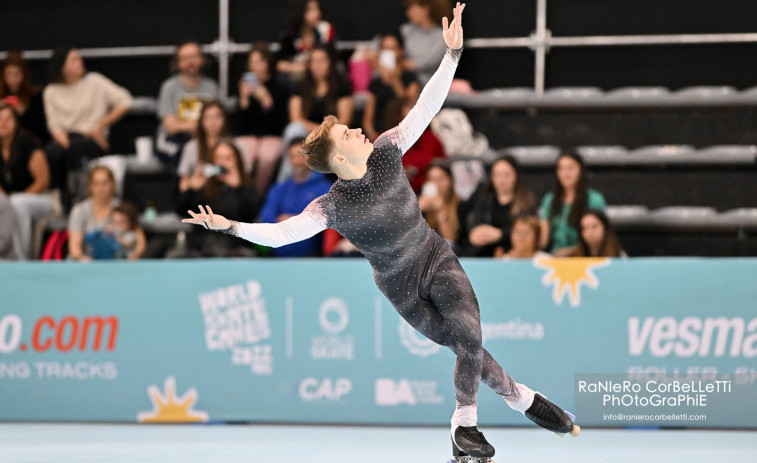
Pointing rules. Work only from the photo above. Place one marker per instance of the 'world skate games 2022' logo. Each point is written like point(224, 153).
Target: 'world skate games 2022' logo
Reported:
point(333, 317)
point(415, 342)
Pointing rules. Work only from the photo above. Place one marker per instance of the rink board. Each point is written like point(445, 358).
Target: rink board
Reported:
point(309, 341)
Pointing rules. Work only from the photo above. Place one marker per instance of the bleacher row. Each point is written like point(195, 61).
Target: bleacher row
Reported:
point(561, 97)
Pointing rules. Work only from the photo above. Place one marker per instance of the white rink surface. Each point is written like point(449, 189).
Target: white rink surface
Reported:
point(132, 443)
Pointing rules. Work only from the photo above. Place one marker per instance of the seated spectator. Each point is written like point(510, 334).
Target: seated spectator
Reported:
point(198, 151)
point(503, 198)
point(524, 236)
point(306, 31)
point(323, 92)
point(80, 108)
point(598, 239)
point(180, 102)
point(92, 214)
point(561, 209)
point(7, 229)
point(392, 82)
point(264, 113)
point(421, 36)
point(122, 237)
point(291, 197)
point(24, 177)
point(418, 158)
point(227, 191)
point(438, 203)
point(17, 91)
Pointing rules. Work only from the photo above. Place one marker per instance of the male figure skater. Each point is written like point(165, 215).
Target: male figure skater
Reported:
point(373, 206)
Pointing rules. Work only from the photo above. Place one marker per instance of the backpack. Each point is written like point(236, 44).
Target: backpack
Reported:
point(55, 246)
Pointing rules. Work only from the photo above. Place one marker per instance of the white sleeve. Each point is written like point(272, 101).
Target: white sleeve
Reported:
point(300, 227)
point(429, 103)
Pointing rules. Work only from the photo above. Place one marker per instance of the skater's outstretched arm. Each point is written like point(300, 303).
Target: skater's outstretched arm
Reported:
point(435, 92)
point(300, 227)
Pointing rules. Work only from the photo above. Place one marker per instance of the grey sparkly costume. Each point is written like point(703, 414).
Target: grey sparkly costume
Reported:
point(412, 265)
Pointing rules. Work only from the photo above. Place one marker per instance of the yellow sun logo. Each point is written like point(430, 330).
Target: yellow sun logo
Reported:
point(167, 408)
point(566, 275)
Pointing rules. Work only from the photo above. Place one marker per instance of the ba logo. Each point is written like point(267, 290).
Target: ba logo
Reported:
point(390, 392)
point(333, 315)
point(414, 342)
point(314, 389)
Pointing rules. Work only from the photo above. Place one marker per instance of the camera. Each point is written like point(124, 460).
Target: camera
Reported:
point(211, 170)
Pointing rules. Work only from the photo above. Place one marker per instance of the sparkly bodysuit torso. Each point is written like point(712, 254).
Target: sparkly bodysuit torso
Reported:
point(413, 266)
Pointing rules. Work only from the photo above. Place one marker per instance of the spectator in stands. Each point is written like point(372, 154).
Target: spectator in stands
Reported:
point(264, 113)
point(307, 30)
point(228, 192)
point(7, 229)
point(180, 102)
point(598, 239)
point(198, 151)
point(503, 199)
point(24, 177)
point(438, 202)
point(393, 81)
point(561, 209)
point(122, 237)
point(418, 158)
point(16, 90)
point(291, 197)
point(524, 236)
point(421, 36)
point(322, 92)
point(80, 108)
point(92, 214)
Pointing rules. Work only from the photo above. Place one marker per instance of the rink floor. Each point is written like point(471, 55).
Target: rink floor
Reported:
point(109, 443)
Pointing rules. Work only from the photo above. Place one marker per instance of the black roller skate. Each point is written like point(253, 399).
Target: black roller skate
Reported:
point(550, 416)
point(470, 446)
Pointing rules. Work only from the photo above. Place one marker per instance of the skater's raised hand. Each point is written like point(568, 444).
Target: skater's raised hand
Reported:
point(453, 32)
point(208, 220)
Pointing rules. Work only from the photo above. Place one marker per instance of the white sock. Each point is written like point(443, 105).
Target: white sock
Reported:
point(522, 400)
point(465, 415)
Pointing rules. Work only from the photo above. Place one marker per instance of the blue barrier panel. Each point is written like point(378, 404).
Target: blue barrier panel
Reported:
point(315, 341)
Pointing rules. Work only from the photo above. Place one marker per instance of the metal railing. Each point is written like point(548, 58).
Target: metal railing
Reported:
point(540, 42)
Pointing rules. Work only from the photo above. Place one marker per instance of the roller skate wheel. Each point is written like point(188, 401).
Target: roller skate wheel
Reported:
point(576, 430)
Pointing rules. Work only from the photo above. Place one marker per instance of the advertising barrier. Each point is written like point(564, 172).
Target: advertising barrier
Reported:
point(640, 342)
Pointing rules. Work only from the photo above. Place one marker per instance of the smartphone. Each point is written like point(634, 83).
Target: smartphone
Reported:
point(250, 78)
point(388, 59)
point(211, 170)
point(429, 189)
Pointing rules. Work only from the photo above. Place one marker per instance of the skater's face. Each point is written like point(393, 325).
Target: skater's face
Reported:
point(504, 178)
point(568, 172)
point(352, 147)
point(592, 231)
